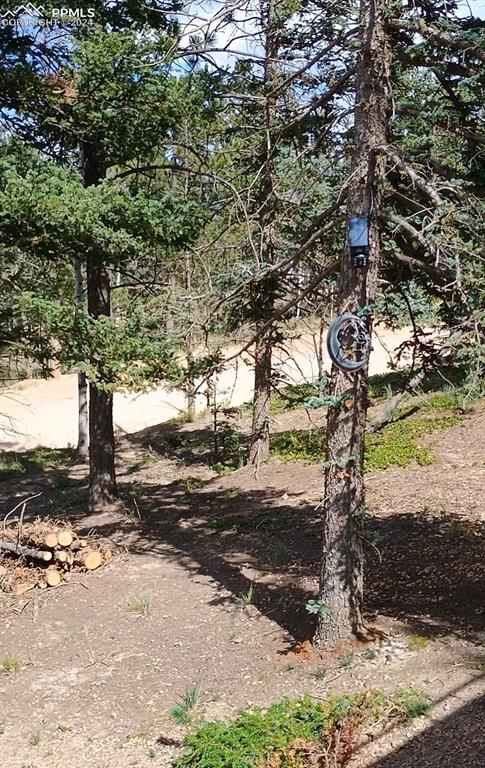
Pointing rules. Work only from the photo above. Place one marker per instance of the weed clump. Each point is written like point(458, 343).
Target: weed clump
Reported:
point(9, 665)
point(182, 712)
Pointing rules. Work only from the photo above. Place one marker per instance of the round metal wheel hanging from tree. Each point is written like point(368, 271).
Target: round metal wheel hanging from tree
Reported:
point(348, 342)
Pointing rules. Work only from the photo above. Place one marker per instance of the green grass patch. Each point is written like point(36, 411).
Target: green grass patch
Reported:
point(141, 606)
point(282, 734)
point(384, 385)
point(412, 703)
point(395, 445)
point(306, 445)
point(36, 460)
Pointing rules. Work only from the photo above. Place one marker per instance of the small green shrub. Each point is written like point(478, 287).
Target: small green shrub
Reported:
point(232, 447)
point(246, 598)
point(270, 737)
point(346, 660)
point(412, 703)
point(294, 396)
point(317, 608)
point(190, 483)
point(253, 736)
point(319, 673)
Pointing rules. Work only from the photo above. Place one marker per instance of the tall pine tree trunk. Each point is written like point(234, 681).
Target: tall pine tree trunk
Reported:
point(102, 477)
point(341, 577)
point(263, 300)
point(82, 450)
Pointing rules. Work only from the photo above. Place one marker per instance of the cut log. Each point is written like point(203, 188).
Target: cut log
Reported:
point(65, 537)
point(21, 551)
point(90, 559)
point(51, 540)
point(42, 584)
point(53, 577)
point(61, 556)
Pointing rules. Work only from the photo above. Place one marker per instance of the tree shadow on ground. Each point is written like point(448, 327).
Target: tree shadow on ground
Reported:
point(456, 741)
point(420, 568)
point(424, 570)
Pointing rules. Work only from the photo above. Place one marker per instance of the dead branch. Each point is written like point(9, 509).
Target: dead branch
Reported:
point(409, 171)
point(394, 401)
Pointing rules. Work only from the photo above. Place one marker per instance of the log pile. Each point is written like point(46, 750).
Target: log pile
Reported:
point(44, 553)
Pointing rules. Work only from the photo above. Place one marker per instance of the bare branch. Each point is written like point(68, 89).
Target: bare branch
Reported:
point(409, 171)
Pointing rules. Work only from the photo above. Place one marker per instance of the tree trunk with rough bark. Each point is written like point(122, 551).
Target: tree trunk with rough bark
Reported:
point(264, 296)
point(341, 577)
point(82, 449)
point(102, 477)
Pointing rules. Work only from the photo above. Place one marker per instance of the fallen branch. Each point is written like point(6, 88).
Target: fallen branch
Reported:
point(381, 422)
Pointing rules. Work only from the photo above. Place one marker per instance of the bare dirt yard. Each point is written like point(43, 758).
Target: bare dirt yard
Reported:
point(208, 590)
point(44, 411)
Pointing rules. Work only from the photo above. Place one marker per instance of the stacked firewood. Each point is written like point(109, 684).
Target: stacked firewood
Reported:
point(44, 553)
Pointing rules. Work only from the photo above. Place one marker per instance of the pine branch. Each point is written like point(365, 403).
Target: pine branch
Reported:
point(428, 31)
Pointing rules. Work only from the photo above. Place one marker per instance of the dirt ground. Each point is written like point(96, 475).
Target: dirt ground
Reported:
point(97, 679)
point(44, 412)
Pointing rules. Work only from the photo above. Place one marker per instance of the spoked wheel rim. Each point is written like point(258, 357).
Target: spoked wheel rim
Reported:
point(348, 342)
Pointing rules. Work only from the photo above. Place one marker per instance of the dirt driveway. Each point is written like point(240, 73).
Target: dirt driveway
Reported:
point(39, 412)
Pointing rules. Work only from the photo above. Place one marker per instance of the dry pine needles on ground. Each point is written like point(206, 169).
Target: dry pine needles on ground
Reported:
point(44, 553)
